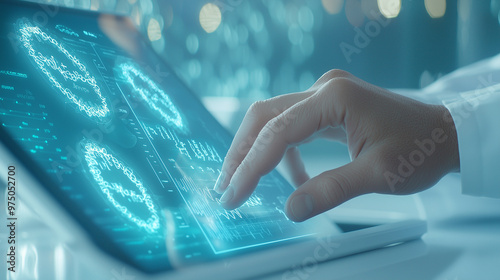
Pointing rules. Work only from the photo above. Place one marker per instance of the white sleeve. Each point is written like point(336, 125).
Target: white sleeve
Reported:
point(476, 115)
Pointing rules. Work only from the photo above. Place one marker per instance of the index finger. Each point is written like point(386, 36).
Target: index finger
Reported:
point(255, 119)
point(292, 126)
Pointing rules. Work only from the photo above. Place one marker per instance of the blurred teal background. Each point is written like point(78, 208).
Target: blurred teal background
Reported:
point(261, 48)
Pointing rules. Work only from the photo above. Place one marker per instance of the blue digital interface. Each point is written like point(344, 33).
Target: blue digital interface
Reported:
point(127, 150)
point(41, 47)
point(112, 176)
point(152, 95)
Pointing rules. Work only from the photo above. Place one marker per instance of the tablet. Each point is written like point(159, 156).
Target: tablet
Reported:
point(122, 152)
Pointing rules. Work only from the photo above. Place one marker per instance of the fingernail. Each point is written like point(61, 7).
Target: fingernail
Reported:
point(228, 195)
point(301, 206)
point(218, 183)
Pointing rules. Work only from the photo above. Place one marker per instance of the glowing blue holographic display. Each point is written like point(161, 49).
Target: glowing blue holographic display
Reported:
point(28, 32)
point(66, 30)
point(131, 158)
point(156, 98)
point(99, 162)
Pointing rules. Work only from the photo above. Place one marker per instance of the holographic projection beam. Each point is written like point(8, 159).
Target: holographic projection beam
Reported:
point(46, 62)
point(104, 167)
point(156, 98)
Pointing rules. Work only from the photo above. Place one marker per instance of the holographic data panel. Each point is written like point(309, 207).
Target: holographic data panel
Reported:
point(194, 162)
point(62, 69)
point(112, 176)
point(123, 145)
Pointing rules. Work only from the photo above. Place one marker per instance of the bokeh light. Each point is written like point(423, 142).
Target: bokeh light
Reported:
point(210, 17)
point(136, 15)
point(192, 43)
point(296, 40)
point(389, 8)
point(332, 6)
point(154, 30)
point(306, 18)
point(354, 12)
point(370, 9)
point(95, 5)
point(435, 8)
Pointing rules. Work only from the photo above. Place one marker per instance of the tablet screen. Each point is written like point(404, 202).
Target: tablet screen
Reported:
point(125, 147)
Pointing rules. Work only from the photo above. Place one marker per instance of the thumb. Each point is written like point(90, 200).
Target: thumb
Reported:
point(330, 189)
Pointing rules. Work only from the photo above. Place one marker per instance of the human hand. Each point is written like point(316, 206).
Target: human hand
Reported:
point(397, 144)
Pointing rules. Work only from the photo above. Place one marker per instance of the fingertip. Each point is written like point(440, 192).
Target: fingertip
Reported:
point(226, 200)
point(221, 184)
point(230, 200)
point(236, 195)
point(299, 207)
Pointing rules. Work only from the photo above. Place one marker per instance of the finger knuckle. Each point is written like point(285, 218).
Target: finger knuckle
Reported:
point(336, 73)
point(246, 164)
point(342, 90)
point(275, 125)
point(257, 108)
point(230, 163)
point(334, 189)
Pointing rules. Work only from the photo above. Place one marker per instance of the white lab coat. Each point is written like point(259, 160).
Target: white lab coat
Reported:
point(472, 95)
